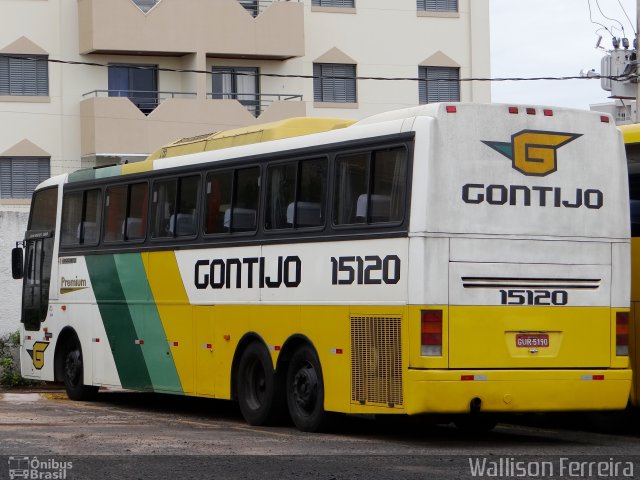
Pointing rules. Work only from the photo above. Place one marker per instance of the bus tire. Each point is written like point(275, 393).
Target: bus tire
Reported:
point(73, 373)
point(258, 391)
point(305, 390)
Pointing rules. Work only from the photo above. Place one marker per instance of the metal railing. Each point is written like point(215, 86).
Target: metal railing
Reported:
point(255, 7)
point(256, 103)
point(146, 101)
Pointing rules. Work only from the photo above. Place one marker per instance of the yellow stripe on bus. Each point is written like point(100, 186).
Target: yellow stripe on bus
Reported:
point(175, 312)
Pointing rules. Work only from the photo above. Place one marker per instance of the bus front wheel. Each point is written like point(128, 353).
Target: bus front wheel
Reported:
point(305, 390)
point(258, 391)
point(73, 373)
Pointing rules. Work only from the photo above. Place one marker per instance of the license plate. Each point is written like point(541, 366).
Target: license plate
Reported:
point(528, 340)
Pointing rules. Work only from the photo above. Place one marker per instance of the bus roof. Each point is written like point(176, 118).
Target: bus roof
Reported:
point(630, 133)
point(290, 127)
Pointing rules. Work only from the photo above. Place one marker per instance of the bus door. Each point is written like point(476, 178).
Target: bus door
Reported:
point(37, 278)
point(39, 245)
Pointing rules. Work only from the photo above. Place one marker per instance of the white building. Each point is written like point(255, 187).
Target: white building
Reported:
point(166, 69)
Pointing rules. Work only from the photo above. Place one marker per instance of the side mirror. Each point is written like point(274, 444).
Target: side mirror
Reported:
point(17, 263)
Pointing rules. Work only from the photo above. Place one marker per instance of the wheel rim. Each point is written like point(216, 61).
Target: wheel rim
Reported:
point(73, 367)
point(255, 385)
point(305, 388)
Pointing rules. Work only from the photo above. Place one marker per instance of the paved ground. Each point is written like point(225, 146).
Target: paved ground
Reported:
point(133, 435)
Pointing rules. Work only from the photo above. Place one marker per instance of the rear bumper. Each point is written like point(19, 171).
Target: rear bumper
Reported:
point(443, 391)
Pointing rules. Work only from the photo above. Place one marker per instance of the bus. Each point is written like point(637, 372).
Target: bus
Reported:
point(631, 136)
point(456, 259)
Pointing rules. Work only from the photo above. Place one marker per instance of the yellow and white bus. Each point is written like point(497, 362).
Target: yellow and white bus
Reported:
point(448, 259)
point(631, 136)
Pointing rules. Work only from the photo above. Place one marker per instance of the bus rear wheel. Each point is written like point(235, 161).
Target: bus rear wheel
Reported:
point(258, 391)
point(73, 373)
point(305, 391)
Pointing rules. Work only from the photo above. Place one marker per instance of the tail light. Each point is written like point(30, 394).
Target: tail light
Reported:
point(431, 333)
point(622, 333)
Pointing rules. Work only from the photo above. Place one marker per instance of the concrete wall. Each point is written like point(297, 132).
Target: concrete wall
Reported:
point(12, 228)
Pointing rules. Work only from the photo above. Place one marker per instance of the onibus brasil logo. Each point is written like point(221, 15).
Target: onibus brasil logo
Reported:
point(533, 152)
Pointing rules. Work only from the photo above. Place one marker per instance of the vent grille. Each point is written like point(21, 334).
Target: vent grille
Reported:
point(376, 360)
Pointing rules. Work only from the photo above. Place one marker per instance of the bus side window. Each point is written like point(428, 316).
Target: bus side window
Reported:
point(218, 190)
point(370, 187)
point(184, 223)
point(281, 193)
point(126, 212)
point(92, 213)
point(71, 218)
point(163, 207)
point(245, 201)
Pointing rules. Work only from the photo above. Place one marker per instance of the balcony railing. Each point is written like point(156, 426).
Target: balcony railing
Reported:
point(146, 101)
point(254, 7)
point(255, 103)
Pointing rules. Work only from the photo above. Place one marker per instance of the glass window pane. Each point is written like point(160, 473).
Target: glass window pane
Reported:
point(388, 189)
point(185, 222)
point(137, 220)
point(163, 207)
point(115, 213)
point(71, 218)
point(218, 190)
point(92, 215)
point(350, 195)
point(245, 204)
point(44, 209)
point(311, 193)
point(281, 193)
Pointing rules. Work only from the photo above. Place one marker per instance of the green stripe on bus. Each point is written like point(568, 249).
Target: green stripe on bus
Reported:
point(82, 175)
point(146, 320)
point(118, 323)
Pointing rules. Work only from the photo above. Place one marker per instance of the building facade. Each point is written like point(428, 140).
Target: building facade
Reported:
point(94, 82)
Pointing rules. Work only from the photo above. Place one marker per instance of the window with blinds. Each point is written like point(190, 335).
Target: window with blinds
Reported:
point(333, 3)
point(334, 82)
point(24, 75)
point(19, 176)
point(439, 84)
point(438, 5)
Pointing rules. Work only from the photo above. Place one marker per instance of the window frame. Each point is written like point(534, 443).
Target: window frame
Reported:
point(40, 79)
point(368, 224)
point(333, 3)
point(179, 180)
point(130, 92)
point(234, 187)
point(423, 84)
point(324, 201)
point(440, 6)
point(319, 86)
point(27, 193)
point(124, 240)
point(252, 105)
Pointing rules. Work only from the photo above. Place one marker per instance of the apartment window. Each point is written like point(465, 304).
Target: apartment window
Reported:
point(137, 82)
point(438, 5)
point(24, 75)
point(251, 6)
point(145, 5)
point(334, 82)
point(439, 84)
point(21, 175)
point(238, 83)
point(333, 3)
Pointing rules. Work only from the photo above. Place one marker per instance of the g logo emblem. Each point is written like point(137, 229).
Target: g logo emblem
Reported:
point(532, 152)
point(37, 354)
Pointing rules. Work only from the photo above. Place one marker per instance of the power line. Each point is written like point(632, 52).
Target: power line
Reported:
point(628, 19)
point(374, 78)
